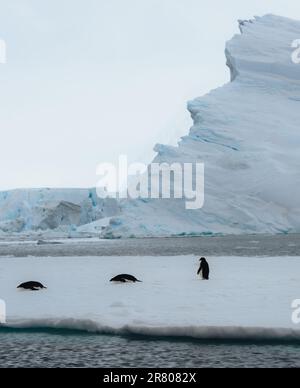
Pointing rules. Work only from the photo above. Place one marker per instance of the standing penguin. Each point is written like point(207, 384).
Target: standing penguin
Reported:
point(204, 268)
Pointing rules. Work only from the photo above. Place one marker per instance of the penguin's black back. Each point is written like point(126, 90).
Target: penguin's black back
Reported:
point(31, 285)
point(125, 278)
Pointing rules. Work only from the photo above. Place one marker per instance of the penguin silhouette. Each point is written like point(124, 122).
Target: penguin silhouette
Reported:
point(32, 286)
point(204, 268)
point(125, 279)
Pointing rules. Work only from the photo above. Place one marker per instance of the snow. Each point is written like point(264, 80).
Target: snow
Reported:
point(245, 298)
point(96, 226)
point(247, 135)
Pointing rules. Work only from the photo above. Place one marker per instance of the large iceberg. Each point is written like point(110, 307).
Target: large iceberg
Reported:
point(247, 135)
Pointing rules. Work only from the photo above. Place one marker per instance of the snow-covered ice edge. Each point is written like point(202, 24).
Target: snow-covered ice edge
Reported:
point(234, 333)
point(246, 298)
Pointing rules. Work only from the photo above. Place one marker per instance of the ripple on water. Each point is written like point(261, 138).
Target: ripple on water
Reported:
point(95, 351)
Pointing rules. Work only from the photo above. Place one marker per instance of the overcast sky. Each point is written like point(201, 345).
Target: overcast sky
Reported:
point(87, 80)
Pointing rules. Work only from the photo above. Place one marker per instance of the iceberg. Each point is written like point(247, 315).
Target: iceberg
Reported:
point(247, 135)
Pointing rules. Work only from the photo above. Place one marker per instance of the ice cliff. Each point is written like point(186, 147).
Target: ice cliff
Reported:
point(247, 135)
point(51, 209)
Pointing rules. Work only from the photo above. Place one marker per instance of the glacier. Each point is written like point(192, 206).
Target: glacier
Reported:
point(247, 135)
point(64, 210)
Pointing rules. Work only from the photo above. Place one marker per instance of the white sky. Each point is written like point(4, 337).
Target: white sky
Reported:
point(88, 80)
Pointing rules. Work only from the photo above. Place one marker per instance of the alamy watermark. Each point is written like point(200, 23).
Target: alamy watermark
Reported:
point(2, 312)
point(3, 51)
point(154, 181)
point(296, 312)
point(296, 52)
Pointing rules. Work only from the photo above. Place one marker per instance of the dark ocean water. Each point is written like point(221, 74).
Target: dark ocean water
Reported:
point(244, 245)
point(51, 349)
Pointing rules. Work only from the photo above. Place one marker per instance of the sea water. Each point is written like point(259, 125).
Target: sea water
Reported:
point(50, 349)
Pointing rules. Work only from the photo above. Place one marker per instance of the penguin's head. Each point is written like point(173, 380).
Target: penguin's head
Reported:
point(203, 259)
